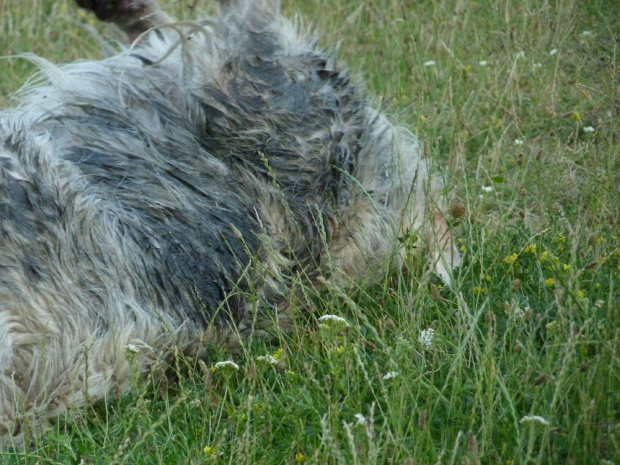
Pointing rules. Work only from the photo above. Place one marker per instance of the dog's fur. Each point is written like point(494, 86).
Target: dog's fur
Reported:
point(175, 194)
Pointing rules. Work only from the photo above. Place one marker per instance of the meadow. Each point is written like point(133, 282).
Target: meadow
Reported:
point(518, 107)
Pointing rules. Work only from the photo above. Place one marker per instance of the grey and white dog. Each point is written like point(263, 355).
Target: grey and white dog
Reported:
point(177, 194)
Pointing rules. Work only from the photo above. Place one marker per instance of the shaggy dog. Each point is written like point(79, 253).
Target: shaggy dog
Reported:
point(181, 193)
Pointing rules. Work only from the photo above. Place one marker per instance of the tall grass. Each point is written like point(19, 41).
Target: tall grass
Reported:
point(518, 105)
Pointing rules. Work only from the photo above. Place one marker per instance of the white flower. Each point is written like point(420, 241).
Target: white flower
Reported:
point(586, 33)
point(429, 63)
point(194, 403)
point(225, 364)
point(536, 65)
point(483, 63)
point(553, 52)
point(521, 54)
point(390, 375)
point(270, 359)
point(588, 129)
point(426, 338)
point(534, 418)
point(360, 419)
point(402, 341)
point(334, 321)
point(487, 189)
point(131, 349)
point(519, 142)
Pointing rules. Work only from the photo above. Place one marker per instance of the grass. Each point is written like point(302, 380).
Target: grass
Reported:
point(503, 95)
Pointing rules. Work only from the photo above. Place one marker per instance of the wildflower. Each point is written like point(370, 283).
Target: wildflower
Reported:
point(530, 249)
point(536, 65)
point(131, 349)
point(478, 290)
point(588, 129)
point(195, 403)
point(482, 63)
point(509, 259)
point(225, 365)
point(390, 375)
point(333, 321)
point(277, 354)
point(209, 450)
point(553, 52)
point(566, 267)
point(426, 338)
point(487, 189)
point(519, 142)
point(575, 115)
point(599, 304)
point(549, 282)
point(429, 63)
point(586, 33)
point(521, 54)
point(544, 256)
point(534, 418)
point(582, 294)
point(299, 457)
point(270, 359)
point(359, 419)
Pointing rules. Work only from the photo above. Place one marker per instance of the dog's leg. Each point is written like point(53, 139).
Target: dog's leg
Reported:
point(445, 255)
point(132, 16)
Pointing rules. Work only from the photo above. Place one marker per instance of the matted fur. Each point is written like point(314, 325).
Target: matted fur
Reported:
point(174, 194)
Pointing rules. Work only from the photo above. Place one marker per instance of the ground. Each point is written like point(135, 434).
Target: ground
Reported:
point(518, 106)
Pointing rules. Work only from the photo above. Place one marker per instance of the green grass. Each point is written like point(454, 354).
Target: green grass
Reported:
point(532, 326)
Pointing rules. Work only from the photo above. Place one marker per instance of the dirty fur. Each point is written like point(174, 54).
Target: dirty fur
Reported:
point(175, 195)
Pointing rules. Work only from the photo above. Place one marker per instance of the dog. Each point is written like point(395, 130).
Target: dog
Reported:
point(180, 193)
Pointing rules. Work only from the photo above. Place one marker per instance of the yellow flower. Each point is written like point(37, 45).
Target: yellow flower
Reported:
point(487, 278)
point(582, 294)
point(549, 282)
point(299, 457)
point(511, 258)
point(478, 290)
point(544, 256)
point(575, 115)
point(278, 354)
point(566, 267)
point(209, 450)
point(530, 249)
